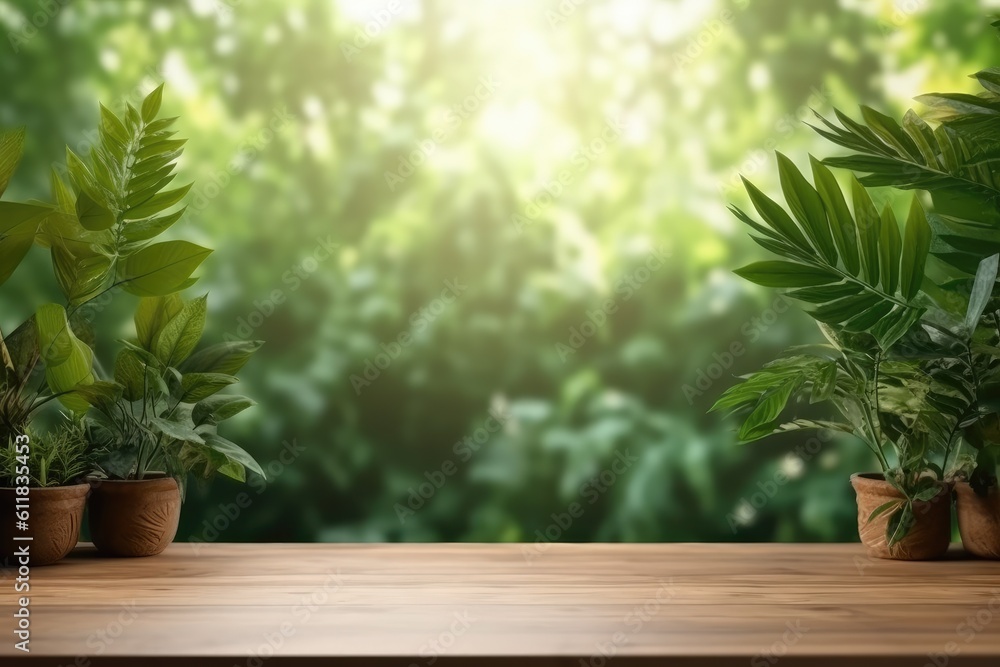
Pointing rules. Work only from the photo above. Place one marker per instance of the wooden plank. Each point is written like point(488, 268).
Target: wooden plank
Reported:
point(697, 604)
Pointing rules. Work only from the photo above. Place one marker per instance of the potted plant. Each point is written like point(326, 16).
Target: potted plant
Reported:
point(156, 417)
point(43, 493)
point(950, 151)
point(953, 346)
point(42, 361)
point(859, 275)
point(160, 409)
point(159, 423)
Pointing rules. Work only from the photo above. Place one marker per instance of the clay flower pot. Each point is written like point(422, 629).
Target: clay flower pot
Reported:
point(930, 535)
point(55, 515)
point(979, 520)
point(134, 518)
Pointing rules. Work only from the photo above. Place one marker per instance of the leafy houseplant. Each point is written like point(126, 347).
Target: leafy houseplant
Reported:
point(146, 414)
point(915, 341)
point(45, 474)
point(100, 233)
point(955, 163)
point(40, 477)
point(860, 277)
point(162, 414)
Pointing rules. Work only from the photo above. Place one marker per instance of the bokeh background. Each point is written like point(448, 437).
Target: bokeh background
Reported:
point(487, 243)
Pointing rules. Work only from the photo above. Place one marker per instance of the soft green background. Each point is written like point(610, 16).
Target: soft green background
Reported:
point(499, 101)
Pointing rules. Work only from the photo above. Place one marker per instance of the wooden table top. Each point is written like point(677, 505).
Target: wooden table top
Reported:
point(569, 604)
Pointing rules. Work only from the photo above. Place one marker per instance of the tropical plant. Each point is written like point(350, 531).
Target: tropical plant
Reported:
point(951, 152)
point(46, 338)
point(860, 277)
point(56, 458)
point(98, 233)
point(163, 407)
point(160, 409)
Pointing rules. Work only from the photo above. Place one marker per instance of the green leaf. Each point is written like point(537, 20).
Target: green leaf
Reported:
point(927, 490)
point(79, 277)
point(916, 246)
point(220, 407)
point(777, 273)
point(197, 387)
point(889, 131)
point(233, 452)
point(68, 361)
point(100, 394)
point(152, 314)
point(990, 79)
point(899, 525)
point(11, 150)
point(93, 216)
point(227, 358)
point(19, 225)
point(890, 247)
point(82, 178)
point(882, 509)
point(157, 203)
point(143, 230)
point(869, 230)
point(161, 268)
point(888, 330)
point(177, 339)
point(982, 289)
point(776, 217)
point(142, 197)
point(762, 420)
point(113, 126)
point(807, 207)
point(923, 137)
point(160, 148)
point(845, 231)
point(151, 105)
point(177, 430)
point(844, 309)
point(826, 293)
point(825, 384)
point(870, 318)
point(130, 373)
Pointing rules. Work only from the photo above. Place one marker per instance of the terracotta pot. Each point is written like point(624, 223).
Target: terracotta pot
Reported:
point(55, 515)
point(979, 520)
point(134, 518)
point(930, 535)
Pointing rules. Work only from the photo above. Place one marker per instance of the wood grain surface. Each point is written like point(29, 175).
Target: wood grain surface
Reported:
point(680, 604)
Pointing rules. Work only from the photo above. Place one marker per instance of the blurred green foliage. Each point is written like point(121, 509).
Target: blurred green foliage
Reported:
point(522, 206)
